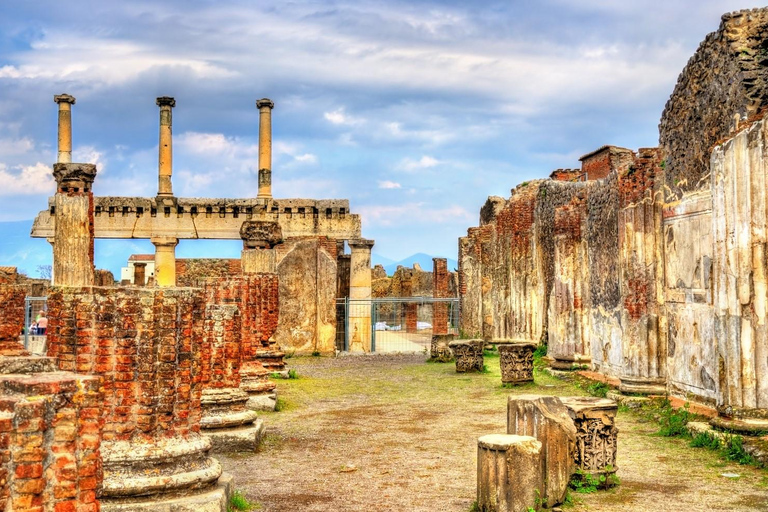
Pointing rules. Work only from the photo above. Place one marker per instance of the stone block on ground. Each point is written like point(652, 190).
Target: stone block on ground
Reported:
point(510, 473)
point(242, 439)
point(548, 420)
point(468, 354)
point(439, 349)
point(516, 362)
point(596, 433)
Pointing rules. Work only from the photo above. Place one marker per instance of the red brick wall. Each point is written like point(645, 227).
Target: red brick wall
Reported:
point(567, 175)
point(597, 166)
point(50, 429)
point(640, 178)
point(221, 354)
point(11, 319)
point(257, 296)
point(568, 219)
point(146, 346)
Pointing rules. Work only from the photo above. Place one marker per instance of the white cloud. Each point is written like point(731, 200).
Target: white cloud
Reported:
point(20, 146)
point(27, 180)
point(425, 162)
point(294, 152)
point(339, 117)
point(389, 184)
point(417, 213)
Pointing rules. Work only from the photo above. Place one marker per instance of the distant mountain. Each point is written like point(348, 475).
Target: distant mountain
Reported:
point(18, 249)
point(378, 259)
point(424, 260)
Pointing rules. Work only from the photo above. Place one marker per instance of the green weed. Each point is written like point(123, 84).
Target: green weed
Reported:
point(238, 502)
point(672, 422)
point(599, 389)
point(293, 374)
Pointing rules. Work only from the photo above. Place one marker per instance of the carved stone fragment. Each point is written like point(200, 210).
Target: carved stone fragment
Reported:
point(516, 361)
point(439, 349)
point(468, 354)
point(596, 433)
point(260, 234)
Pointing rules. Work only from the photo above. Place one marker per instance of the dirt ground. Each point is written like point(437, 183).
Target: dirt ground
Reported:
point(391, 432)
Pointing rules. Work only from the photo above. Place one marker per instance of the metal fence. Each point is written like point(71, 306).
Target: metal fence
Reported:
point(34, 337)
point(402, 324)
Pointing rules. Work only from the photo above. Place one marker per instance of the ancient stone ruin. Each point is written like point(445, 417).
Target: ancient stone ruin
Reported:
point(301, 237)
point(648, 266)
point(141, 381)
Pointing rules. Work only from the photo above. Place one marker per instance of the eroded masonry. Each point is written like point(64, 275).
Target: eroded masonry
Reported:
point(141, 384)
point(300, 240)
point(649, 266)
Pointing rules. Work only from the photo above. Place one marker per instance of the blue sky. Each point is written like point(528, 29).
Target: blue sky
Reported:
point(415, 111)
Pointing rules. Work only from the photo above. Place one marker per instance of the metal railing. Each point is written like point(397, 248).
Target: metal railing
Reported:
point(397, 324)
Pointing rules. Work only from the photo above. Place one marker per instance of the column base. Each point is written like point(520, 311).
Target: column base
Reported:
point(168, 466)
point(746, 426)
point(241, 439)
point(575, 362)
point(213, 499)
point(642, 385)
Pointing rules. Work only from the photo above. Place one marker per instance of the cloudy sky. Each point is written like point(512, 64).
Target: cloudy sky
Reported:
point(415, 111)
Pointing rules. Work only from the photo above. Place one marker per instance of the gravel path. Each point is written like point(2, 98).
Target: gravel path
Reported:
point(390, 432)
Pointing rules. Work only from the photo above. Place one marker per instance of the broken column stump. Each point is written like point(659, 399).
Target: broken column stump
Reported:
point(256, 296)
point(226, 421)
point(468, 354)
point(439, 349)
point(548, 420)
point(146, 346)
point(516, 361)
point(510, 474)
point(596, 433)
point(50, 435)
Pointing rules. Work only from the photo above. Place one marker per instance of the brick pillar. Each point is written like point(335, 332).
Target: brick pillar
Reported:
point(146, 345)
point(440, 281)
point(11, 319)
point(256, 296)
point(360, 289)
point(265, 106)
point(139, 274)
point(73, 234)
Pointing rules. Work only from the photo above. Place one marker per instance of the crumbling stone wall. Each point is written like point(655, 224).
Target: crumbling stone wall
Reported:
point(307, 272)
point(195, 271)
point(724, 83)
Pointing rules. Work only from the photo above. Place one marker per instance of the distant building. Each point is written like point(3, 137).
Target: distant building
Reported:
point(147, 261)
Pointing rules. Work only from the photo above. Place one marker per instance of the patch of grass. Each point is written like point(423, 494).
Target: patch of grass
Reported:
point(586, 483)
point(238, 502)
point(733, 450)
point(316, 353)
point(672, 422)
point(599, 389)
point(281, 404)
point(293, 374)
point(705, 440)
point(474, 507)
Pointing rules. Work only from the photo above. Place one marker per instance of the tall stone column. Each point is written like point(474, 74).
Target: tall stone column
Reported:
point(265, 106)
point(165, 260)
point(165, 152)
point(360, 295)
point(65, 102)
point(73, 235)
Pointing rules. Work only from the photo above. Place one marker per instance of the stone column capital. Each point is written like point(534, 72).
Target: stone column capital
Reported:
point(164, 101)
point(64, 98)
point(258, 234)
point(360, 243)
point(164, 241)
point(265, 102)
point(77, 175)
